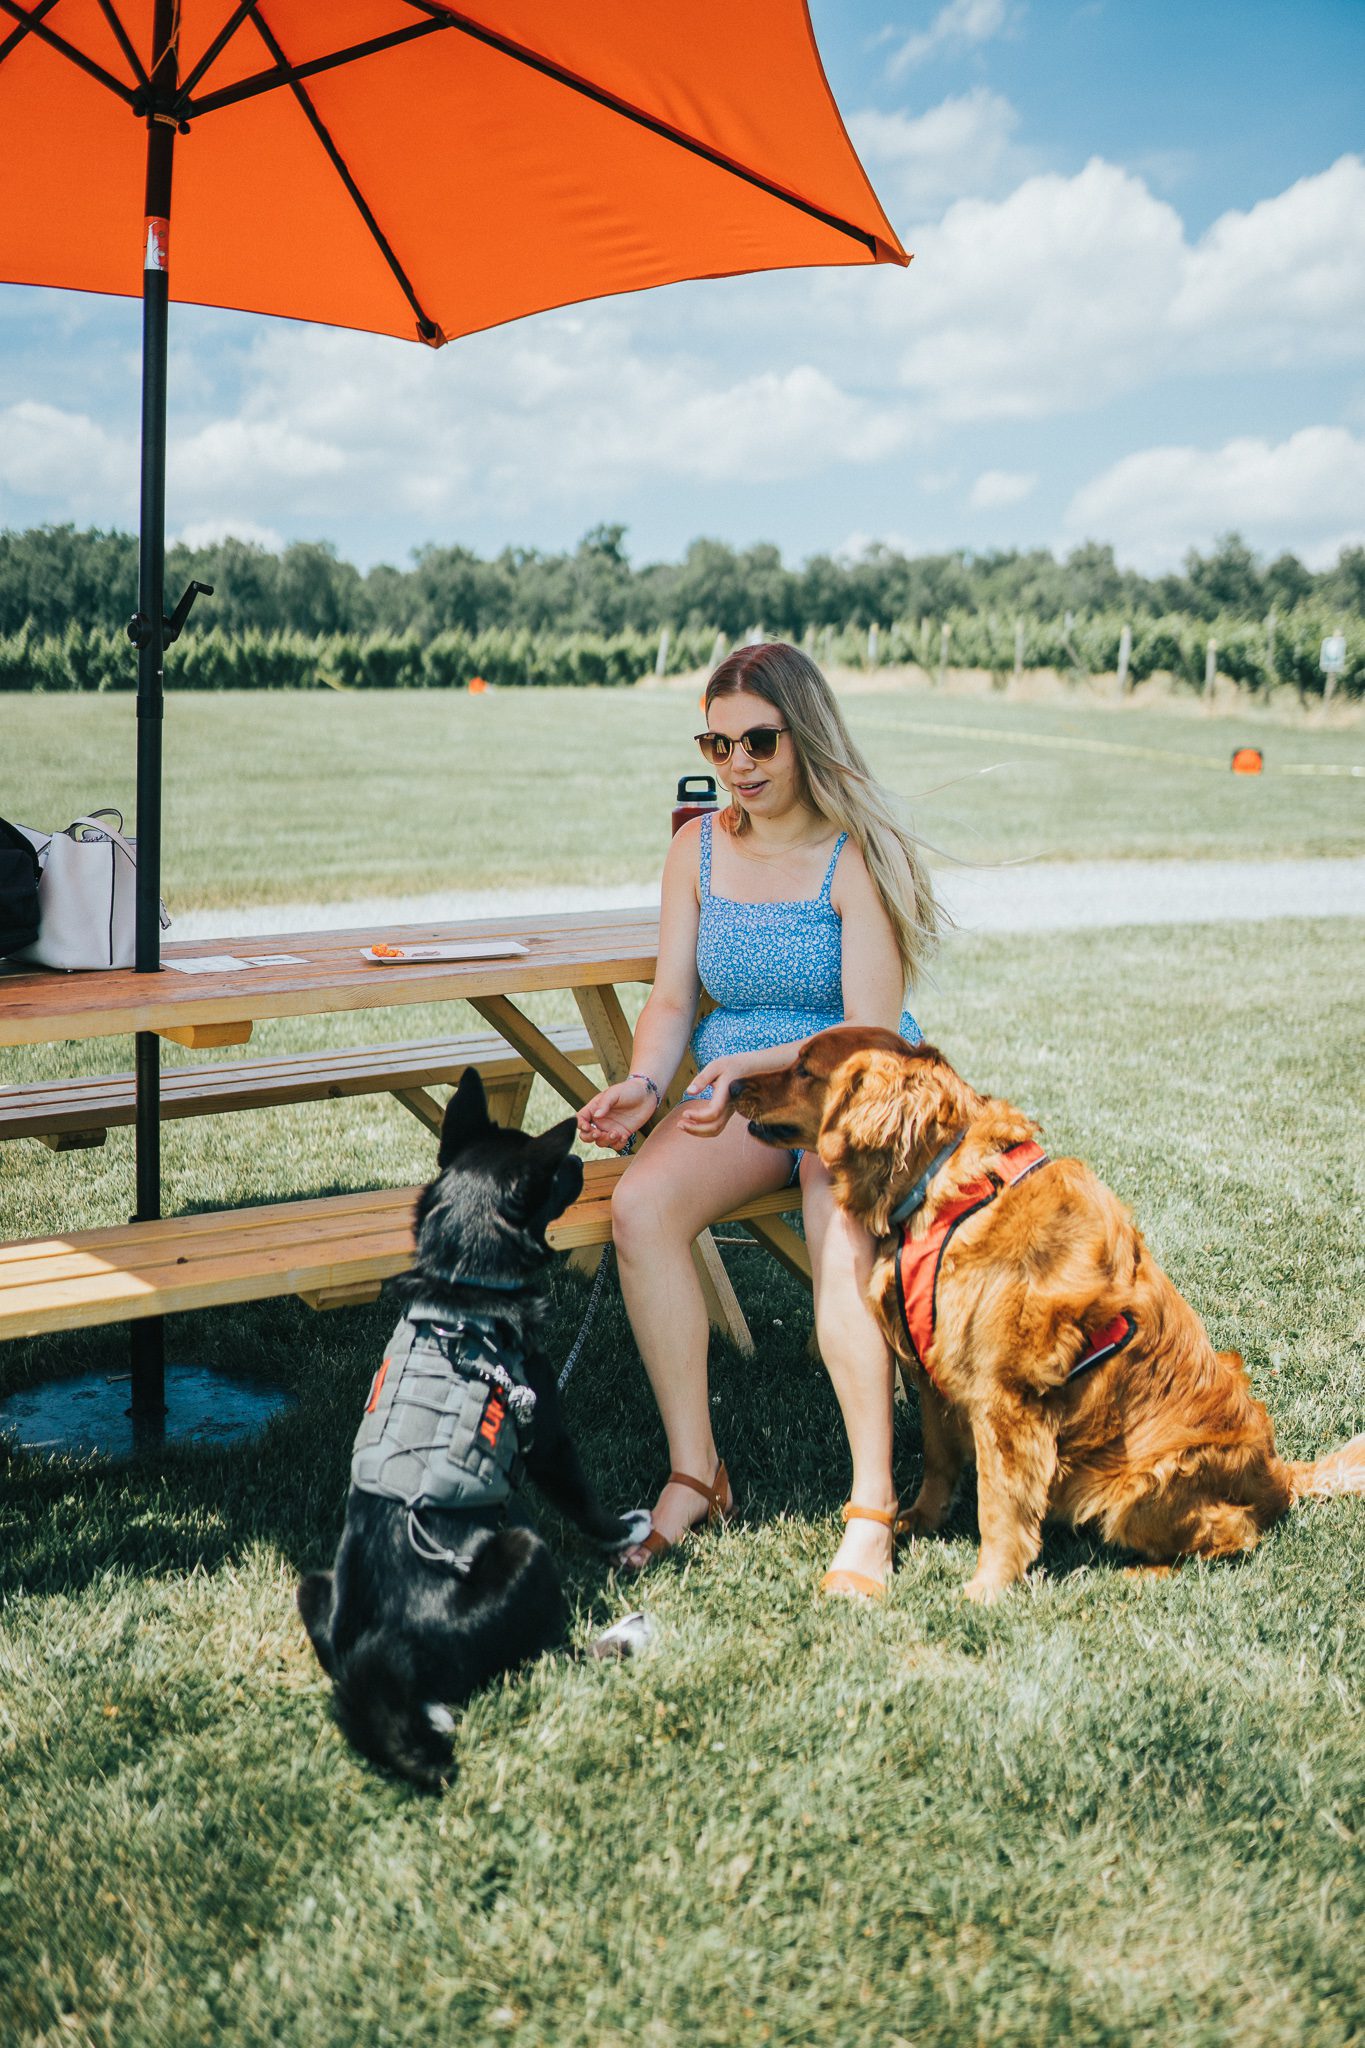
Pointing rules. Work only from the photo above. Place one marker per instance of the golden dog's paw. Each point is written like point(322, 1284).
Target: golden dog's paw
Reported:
point(982, 1591)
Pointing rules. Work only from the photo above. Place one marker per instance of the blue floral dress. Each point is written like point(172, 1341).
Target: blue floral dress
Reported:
point(774, 970)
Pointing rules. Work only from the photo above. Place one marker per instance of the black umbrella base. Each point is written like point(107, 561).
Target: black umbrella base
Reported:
point(90, 1416)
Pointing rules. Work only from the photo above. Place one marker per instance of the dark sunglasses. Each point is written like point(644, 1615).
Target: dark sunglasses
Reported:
point(760, 743)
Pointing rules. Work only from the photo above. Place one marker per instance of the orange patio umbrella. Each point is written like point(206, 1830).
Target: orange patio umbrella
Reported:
point(407, 167)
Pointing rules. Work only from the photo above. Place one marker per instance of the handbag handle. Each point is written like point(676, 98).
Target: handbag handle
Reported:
point(105, 831)
point(109, 832)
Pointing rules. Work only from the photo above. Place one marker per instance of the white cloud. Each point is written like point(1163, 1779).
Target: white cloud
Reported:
point(996, 487)
point(1043, 301)
point(962, 24)
point(1071, 291)
point(507, 420)
point(1306, 493)
point(67, 459)
point(247, 454)
point(1291, 269)
point(921, 163)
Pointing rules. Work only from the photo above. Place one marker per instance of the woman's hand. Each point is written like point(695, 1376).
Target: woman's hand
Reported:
point(614, 1116)
point(708, 1118)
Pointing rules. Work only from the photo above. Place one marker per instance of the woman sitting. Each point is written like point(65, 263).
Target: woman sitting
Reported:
point(802, 904)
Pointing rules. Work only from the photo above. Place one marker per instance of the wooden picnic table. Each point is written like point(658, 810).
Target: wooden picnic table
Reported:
point(591, 954)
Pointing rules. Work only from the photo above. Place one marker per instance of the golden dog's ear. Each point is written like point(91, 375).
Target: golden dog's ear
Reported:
point(867, 1104)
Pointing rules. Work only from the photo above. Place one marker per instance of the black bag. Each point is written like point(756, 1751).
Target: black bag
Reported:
point(18, 890)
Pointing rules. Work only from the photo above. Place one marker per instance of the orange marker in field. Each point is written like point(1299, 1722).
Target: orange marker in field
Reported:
point(477, 686)
point(1247, 761)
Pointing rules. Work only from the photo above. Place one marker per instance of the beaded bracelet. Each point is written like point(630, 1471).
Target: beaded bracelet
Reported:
point(652, 1086)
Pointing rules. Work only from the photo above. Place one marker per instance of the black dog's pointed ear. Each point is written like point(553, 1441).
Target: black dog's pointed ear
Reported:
point(466, 1116)
point(554, 1146)
point(553, 1180)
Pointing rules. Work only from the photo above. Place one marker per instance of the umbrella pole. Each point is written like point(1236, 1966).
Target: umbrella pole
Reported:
point(149, 630)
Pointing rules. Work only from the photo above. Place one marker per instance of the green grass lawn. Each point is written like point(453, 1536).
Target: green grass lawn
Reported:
point(273, 797)
point(1108, 1810)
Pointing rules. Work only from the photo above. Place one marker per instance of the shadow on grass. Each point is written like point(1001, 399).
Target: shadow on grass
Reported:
point(67, 1522)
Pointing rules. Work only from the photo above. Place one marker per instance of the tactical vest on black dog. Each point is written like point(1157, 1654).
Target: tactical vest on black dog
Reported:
point(448, 1423)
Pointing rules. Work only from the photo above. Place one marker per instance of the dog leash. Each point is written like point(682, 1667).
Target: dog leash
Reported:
point(580, 1340)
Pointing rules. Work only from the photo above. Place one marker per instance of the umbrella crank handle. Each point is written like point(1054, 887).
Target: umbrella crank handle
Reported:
point(139, 626)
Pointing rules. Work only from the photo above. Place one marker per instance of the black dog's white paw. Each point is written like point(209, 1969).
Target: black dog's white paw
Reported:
point(636, 1524)
point(625, 1638)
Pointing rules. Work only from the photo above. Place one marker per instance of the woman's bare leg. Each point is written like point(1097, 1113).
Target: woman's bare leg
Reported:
point(857, 1361)
point(678, 1185)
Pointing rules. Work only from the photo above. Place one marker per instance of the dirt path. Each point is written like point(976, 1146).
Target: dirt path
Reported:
point(1041, 896)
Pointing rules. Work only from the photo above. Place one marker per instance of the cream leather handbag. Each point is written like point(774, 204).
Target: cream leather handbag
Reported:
point(87, 892)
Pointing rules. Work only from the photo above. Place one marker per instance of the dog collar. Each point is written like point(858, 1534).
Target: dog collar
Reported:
point(909, 1204)
point(493, 1286)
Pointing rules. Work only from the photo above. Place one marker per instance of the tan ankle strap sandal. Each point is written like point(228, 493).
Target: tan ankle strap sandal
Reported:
point(847, 1585)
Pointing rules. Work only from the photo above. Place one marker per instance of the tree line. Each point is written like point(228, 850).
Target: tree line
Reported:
point(55, 577)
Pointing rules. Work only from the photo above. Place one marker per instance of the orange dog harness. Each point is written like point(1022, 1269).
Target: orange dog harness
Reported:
point(920, 1259)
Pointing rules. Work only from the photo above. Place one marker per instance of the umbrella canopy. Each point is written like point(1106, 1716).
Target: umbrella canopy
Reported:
point(419, 169)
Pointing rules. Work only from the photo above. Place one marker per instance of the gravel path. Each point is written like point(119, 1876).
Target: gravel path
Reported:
point(1042, 896)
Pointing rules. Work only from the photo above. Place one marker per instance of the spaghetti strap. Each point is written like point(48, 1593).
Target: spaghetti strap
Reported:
point(828, 882)
point(706, 854)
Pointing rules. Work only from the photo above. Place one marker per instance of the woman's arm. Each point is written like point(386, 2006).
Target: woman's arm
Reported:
point(665, 1023)
point(872, 975)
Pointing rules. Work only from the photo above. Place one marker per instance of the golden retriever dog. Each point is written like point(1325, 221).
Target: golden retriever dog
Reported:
point(1045, 1342)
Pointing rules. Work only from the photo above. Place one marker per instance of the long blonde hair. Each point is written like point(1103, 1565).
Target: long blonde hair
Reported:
point(834, 780)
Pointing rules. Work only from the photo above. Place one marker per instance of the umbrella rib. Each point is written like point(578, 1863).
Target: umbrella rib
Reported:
point(110, 13)
point(284, 72)
point(615, 105)
point(16, 35)
point(32, 23)
point(213, 52)
point(426, 327)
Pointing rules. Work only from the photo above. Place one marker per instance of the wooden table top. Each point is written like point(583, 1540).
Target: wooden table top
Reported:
point(578, 949)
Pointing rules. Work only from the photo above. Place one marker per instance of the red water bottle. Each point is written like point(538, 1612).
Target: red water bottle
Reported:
point(696, 796)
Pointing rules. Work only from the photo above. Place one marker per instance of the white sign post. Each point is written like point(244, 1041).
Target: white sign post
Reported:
point(1332, 661)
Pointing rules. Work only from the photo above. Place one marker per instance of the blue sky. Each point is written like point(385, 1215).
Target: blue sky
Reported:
point(1136, 314)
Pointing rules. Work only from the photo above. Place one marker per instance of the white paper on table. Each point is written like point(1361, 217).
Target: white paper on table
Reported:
point(208, 963)
point(275, 960)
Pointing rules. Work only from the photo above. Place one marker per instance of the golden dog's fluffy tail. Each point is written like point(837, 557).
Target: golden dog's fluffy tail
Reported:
point(1340, 1471)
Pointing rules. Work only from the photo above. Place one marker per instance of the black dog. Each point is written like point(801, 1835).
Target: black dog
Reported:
point(433, 1593)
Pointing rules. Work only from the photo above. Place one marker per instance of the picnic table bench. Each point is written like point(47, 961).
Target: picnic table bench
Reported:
point(332, 1251)
point(67, 1115)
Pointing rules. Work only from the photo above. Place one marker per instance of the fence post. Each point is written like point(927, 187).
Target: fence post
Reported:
point(1125, 656)
point(1018, 650)
point(872, 645)
point(945, 633)
point(1270, 624)
point(661, 658)
point(808, 642)
point(1210, 667)
point(718, 650)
